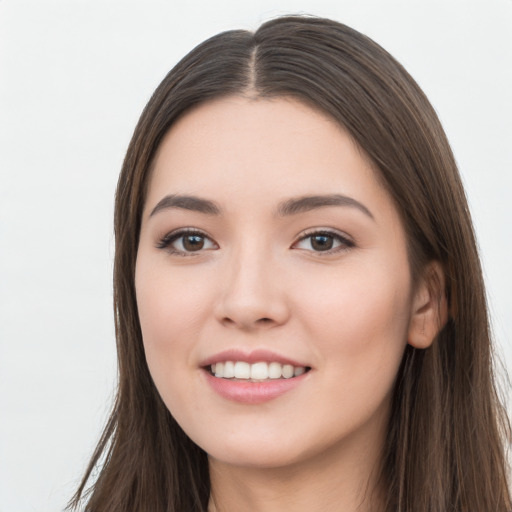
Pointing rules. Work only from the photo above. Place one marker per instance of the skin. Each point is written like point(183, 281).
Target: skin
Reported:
point(259, 283)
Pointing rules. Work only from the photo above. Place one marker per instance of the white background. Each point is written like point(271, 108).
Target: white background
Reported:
point(74, 77)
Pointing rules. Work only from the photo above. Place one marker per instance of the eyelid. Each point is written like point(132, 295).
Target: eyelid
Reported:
point(347, 242)
point(165, 242)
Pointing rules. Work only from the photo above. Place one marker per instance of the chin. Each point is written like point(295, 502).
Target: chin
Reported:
point(257, 457)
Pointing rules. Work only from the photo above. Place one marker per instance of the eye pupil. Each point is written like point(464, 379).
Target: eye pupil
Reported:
point(193, 242)
point(322, 242)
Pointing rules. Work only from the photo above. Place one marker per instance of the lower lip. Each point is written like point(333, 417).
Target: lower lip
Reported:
point(253, 392)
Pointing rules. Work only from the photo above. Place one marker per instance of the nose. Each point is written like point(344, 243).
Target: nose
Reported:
point(253, 295)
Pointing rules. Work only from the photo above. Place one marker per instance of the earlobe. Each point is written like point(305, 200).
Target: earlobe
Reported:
point(429, 311)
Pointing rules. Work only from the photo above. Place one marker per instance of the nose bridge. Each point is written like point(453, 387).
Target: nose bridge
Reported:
point(252, 294)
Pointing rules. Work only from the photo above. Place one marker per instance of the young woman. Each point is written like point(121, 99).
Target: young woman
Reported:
point(300, 311)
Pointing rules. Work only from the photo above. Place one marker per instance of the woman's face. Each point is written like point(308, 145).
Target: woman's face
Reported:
point(269, 249)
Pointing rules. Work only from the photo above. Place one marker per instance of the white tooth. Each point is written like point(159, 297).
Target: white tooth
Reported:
point(242, 370)
point(219, 370)
point(229, 370)
point(275, 370)
point(213, 368)
point(298, 370)
point(287, 371)
point(259, 371)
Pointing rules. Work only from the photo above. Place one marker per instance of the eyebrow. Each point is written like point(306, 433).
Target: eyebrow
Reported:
point(193, 203)
point(308, 203)
point(289, 207)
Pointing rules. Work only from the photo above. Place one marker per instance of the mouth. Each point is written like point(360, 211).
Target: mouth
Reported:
point(260, 371)
point(253, 377)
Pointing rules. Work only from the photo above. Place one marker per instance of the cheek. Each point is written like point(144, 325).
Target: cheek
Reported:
point(170, 313)
point(360, 317)
point(174, 304)
point(169, 301)
point(358, 333)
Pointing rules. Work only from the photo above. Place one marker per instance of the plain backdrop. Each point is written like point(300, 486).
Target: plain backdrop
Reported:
point(74, 77)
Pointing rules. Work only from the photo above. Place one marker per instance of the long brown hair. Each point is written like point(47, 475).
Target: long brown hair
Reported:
point(447, 432)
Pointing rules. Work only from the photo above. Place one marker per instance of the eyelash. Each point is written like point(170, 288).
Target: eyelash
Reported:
point(167, 241)
point(345, 242)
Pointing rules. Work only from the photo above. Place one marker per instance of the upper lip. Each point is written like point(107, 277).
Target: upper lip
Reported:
point(253, 356)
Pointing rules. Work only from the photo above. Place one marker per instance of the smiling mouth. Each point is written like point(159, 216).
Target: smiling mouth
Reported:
point(256, 372)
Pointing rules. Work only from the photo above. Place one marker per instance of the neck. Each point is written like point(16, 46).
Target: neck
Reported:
point(342, 479)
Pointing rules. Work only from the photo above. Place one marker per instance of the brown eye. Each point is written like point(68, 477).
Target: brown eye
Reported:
point(322, 242)
point(185, 242)
point(193, 242)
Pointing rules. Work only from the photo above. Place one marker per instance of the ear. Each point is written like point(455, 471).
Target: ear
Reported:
point(429, 311)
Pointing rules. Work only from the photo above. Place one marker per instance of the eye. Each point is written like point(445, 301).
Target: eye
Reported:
point(323, 241)
point(186, 241)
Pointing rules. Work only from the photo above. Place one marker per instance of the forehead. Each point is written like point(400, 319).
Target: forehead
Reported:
point(247, 152)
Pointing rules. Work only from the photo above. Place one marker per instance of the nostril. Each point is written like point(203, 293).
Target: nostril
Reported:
point(227, 321)
point(246, 322)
